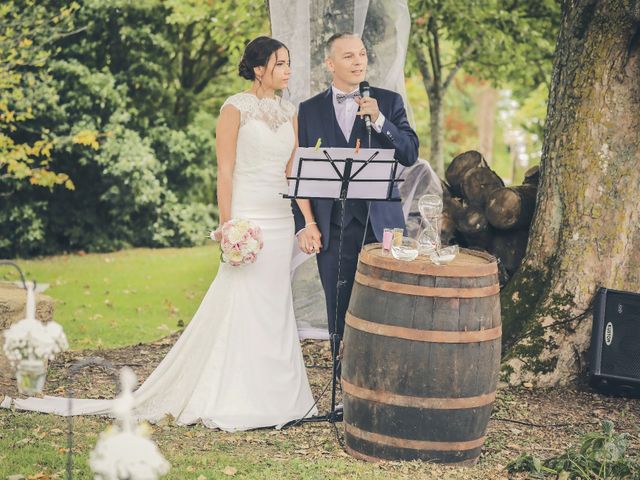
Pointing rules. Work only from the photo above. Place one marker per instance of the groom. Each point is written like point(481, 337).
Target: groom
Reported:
point(336, 117)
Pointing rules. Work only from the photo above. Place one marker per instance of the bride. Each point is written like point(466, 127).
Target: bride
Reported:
point(238, 365)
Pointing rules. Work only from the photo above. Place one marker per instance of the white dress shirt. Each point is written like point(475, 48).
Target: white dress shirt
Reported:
point(346, 113)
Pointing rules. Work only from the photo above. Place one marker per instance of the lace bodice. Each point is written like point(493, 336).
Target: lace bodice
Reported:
point(266, 139)
point(274, 112)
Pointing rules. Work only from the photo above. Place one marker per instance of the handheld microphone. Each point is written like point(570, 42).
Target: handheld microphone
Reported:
point(365, 92)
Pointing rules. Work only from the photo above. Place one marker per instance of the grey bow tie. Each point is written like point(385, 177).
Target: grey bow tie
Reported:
point(341, 97)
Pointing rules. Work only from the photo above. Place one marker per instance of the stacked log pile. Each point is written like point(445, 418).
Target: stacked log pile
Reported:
point(481, 213)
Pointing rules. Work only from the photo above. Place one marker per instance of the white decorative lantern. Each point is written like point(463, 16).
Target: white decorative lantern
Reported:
point(29, 344)
point(124, 451)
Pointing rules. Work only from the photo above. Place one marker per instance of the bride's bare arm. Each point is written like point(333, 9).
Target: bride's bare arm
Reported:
point(309, 238)
point(295, 146)
point(226, 140)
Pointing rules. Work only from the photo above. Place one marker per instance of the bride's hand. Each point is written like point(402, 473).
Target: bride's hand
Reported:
point(216, 235)
point(309, 239)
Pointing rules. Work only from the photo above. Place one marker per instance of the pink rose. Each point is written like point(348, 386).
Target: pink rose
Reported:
point(250, 258)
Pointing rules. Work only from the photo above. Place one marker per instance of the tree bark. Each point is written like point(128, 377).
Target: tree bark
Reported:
point(487, 100)
point(586, 229)
point(436, 131)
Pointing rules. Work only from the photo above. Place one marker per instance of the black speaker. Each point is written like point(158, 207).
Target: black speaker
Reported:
point(615, 341)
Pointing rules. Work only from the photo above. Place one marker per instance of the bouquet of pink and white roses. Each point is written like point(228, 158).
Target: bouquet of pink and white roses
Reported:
point(240, 241)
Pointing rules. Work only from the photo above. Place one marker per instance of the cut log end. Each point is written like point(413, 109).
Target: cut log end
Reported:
point(478, 184)
point(511, 207)
point(459, 166)
point(532, 176)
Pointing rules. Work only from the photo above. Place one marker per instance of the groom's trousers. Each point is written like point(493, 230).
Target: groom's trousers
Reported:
point(338, 293)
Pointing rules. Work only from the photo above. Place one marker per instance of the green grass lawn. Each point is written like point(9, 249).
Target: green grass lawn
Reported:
point(33, 445)
point(123, 298)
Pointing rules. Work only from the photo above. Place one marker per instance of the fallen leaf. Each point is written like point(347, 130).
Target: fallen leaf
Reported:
point(39, 476)
point(231, 471)
point(165, 421)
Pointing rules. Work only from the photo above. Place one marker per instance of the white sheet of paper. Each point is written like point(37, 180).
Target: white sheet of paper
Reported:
point(331, 184)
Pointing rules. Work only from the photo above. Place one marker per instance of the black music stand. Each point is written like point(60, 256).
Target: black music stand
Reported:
point(341, 174)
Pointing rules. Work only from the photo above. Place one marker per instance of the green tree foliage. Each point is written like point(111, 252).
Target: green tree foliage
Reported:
point(148, 78)
point(27, 33)
point(495, 40)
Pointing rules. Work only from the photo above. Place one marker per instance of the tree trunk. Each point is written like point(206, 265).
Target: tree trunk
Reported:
point(487, 100)
point(586, 230)
point(436, 131)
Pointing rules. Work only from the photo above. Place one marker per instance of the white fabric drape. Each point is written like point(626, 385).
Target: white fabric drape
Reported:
point(304, 26)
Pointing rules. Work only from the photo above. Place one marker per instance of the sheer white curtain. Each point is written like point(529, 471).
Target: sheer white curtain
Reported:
point(305, 25)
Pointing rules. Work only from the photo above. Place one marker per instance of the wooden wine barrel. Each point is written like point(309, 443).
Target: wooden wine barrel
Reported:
point(421, 357)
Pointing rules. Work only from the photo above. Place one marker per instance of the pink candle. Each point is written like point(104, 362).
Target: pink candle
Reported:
point(387, 238)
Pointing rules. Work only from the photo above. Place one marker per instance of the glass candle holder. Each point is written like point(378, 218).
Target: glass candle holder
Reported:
point(31, 375)
point(407, 250)
point(445, 255)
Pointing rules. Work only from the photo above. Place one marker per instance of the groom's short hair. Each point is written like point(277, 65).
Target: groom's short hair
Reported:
point(337, 36)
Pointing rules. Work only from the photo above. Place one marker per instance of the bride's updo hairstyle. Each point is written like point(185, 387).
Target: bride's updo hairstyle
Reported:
point(257, 54)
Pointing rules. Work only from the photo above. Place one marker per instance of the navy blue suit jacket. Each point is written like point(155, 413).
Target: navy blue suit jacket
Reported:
point(317, 119)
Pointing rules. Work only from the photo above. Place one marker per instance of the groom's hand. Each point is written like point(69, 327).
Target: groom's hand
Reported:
point(309, 239)
point(368, 106)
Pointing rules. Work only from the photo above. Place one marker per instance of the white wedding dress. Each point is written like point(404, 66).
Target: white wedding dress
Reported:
point(238, 365)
